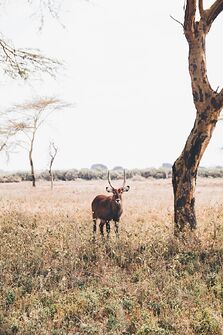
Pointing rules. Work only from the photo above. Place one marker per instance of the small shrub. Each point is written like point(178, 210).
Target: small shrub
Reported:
point(112, 322)
point(9, 298)
point(155, 307)
point(127, 304)
point(205, 323)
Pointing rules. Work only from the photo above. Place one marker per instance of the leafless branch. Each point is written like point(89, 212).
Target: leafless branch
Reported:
point(177, 21)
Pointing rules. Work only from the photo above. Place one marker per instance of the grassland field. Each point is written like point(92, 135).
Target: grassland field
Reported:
point(54, 280)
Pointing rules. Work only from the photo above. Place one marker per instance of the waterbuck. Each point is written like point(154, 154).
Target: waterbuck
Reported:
point(107, 208)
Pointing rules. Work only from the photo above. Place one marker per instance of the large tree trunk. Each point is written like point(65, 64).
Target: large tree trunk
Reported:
point(208, 105)
point(185, 173)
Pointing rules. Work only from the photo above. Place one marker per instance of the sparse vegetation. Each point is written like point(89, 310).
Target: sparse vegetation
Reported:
point(116, 174)
point(54, 280)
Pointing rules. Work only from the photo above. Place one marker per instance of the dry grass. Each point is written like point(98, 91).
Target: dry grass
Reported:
point(55, 281)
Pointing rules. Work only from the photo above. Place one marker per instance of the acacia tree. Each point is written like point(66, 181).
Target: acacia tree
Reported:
point(30, 117)
point(208, 104)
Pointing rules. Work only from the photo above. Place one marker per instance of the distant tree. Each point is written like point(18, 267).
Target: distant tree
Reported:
point(53, 149)
point(208, 103)
point(31, 116)
point(98, 167)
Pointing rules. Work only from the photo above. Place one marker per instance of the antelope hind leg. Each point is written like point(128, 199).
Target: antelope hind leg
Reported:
point(108, 228)
point(101, 225)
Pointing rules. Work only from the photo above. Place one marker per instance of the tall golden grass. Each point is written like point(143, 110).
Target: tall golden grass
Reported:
point(54, 280)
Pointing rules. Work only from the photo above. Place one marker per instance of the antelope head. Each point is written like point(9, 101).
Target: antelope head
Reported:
point(117, 192)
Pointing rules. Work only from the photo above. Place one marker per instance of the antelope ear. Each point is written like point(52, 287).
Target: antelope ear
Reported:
point(126, 188)
point(109, 189)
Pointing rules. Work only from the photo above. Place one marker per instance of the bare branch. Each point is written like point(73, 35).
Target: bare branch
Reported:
point(177, 21)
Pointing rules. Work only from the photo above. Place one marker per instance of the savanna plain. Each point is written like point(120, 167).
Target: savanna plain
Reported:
point(56, 280)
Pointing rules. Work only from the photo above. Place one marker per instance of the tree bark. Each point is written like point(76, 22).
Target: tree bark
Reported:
point(208, 105)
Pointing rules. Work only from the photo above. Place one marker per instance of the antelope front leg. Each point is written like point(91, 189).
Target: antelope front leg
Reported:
point(116, 228)
point(94, 227)
point(108, 228)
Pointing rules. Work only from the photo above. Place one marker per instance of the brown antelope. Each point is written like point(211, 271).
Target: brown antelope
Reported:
point(107, 208)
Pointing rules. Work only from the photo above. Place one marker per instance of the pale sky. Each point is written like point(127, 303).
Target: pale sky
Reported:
point(126, 72)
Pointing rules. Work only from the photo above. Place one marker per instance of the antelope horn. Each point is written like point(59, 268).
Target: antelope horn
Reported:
point(109, 180)
point(124, 180)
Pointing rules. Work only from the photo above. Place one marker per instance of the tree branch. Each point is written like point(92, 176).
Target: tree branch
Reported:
point(214, 11)
point(189, 18)
point(53, 149)
point(173, 18)
point(201, 8)
point(23, 63)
